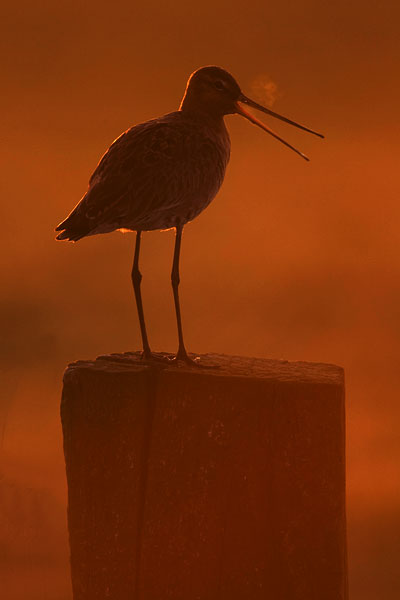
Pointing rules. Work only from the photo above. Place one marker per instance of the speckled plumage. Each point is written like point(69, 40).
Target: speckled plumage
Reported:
point(155, 175)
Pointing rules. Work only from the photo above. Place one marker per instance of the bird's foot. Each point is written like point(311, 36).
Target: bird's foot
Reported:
point(182, 357)
point(185, 360)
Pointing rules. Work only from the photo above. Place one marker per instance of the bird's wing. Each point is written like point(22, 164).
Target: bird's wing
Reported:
point(141, 172)
point(148, 168)
point(138, 172)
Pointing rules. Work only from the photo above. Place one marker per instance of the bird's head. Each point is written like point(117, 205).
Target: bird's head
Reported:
point(213, 91)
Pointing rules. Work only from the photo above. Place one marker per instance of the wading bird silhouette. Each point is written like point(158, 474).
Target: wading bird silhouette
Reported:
point(162, 173)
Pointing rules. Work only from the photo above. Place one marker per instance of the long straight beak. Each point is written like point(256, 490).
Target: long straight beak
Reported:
point(242, 111)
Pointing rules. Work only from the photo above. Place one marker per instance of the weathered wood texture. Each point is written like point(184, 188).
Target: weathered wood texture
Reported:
point(205, 484)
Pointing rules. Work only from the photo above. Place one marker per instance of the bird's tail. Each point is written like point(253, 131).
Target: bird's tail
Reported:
point(74, 227)
point(70, 236)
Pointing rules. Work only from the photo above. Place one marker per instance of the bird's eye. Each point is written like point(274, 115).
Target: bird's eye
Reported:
point(219, 85)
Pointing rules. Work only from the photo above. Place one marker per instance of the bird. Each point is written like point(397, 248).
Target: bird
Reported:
point(161, 174)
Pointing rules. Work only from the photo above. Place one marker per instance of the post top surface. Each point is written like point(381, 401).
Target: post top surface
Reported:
point(222, 365)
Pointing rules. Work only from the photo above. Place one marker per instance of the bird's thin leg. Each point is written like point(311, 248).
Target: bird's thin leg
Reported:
point(182, 354)
point(136, 280)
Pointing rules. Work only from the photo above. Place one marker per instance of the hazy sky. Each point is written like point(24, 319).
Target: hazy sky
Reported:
point(291, 260)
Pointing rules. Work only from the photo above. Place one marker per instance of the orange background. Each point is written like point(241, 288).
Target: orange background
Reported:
point(292, 260)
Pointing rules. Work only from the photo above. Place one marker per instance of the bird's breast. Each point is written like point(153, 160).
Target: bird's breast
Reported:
point(206, 155)
point(187, 162)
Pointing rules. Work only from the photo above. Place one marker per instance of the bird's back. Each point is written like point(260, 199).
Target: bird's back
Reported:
point(154, 176)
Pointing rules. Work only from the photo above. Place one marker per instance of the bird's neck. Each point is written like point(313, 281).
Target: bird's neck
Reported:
point(198, 111)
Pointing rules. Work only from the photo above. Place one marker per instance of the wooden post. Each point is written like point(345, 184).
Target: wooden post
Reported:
point(205, 484)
